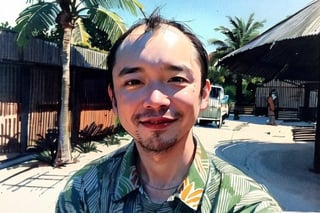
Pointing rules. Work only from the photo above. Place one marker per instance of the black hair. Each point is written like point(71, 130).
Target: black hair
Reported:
point(273, 91)
point(152, 23)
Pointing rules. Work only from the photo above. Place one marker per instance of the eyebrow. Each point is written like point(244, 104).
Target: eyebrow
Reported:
point(173, 67)
point(169, 67)
point(128, 70)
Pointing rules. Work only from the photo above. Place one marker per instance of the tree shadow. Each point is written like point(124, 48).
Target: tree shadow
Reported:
point(283, 168)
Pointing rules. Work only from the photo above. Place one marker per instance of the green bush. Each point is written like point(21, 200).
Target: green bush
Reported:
point(86, 147)
point(46, 147)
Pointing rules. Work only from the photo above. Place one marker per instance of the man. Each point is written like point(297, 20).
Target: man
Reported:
point(272, 107)
point(158, 88)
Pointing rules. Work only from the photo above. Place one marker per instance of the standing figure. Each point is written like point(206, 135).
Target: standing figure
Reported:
point(271, 104)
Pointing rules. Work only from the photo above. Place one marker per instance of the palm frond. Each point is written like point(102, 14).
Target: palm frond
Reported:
point(221, 29)
point(108, 22)
point(250, 21)
point(219, 43)
point(40, 16)
point(233, 22)
point(129, 5)
point(79, 34)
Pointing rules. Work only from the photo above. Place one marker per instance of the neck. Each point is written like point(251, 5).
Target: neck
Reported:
point(159, 176)
point(159, 169)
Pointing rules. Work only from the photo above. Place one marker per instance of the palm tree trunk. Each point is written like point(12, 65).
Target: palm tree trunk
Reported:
point(64, 145)
point(239, 89)
point(238, 97)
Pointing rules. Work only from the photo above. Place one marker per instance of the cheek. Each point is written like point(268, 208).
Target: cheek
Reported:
point(127, 102)
point(189, 95)
point(126, 97)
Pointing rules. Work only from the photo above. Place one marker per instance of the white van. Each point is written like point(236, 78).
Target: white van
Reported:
point(218, 107)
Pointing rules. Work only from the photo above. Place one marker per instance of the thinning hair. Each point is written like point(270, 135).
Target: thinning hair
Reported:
point(152, 23)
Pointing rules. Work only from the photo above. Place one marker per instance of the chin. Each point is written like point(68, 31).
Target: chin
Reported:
point(157, 144)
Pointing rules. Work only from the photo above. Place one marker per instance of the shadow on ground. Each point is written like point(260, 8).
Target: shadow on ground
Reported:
point(284, 169)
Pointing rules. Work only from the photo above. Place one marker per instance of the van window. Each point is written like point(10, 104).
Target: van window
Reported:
point(215, 92)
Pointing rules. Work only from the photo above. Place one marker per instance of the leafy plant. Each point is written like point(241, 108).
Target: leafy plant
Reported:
point(5, 26)
point(96, 133)
point(46, 147)
point(119, 131)
point(112, 140)
point(86, 147)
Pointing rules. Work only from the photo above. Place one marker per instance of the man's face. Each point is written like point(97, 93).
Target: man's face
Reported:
point(157, 82)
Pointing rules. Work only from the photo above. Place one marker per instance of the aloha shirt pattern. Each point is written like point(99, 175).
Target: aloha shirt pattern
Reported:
point(111, 184)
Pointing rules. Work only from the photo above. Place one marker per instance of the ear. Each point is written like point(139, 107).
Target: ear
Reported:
point(205, 95)
point(113, 100)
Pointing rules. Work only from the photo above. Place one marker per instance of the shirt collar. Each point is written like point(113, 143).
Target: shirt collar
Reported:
point(192, 189)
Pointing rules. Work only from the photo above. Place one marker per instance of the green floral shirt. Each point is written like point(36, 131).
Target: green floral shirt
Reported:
point(111, 184)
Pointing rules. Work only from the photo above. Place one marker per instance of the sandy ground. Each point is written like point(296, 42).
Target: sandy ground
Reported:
point(266, 153)
point(29, 187)
point(269, 155)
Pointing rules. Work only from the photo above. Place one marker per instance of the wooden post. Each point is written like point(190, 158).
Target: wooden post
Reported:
point(316, 162)
point(25, 98)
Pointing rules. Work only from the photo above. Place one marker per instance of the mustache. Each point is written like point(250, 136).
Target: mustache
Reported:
point(149, 113)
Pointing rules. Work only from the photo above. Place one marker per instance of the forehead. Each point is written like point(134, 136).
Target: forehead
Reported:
point(165, 30)
point(160, 38)
point(163, 45)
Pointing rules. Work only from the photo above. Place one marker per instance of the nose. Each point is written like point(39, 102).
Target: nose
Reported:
point(156, 98)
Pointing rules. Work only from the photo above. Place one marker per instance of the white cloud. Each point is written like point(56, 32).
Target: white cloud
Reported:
point(9, 11)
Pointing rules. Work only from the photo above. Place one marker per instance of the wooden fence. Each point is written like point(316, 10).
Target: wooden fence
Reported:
point(39, 123)
point(33, 95)
point(30, 80)
point(9, 127)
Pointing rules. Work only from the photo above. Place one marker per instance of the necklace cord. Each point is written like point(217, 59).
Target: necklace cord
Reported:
point(159, 188)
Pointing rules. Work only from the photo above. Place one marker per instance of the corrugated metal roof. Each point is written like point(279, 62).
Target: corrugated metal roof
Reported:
point(289, 50)
point(44, 52)
point(305, 22)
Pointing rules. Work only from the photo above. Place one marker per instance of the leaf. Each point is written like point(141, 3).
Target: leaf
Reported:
point(37, 17)
point(108, 22)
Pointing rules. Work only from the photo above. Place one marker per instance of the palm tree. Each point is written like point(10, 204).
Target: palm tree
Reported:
point(237, 36)
point(42, 15)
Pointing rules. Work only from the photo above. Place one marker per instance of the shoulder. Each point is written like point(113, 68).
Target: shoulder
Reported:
point(93, 173)
point(228, 171)
point(102, 164)
point(243, 192)
point(88, 182)
point(229, 174)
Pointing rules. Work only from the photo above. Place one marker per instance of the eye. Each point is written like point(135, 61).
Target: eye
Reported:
point(132, 82)
point(178, 79)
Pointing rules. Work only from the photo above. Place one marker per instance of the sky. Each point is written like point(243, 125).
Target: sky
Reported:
point(202, 16)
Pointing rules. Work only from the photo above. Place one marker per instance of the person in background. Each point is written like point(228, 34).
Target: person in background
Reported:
point(159, 85)
point(271, 105)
